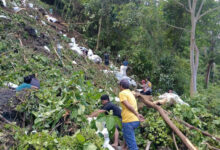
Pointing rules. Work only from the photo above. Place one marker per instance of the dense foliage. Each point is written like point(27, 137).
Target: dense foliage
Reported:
point(142, 32)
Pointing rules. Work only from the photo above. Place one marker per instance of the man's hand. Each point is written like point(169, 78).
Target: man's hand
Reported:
point(141, 118)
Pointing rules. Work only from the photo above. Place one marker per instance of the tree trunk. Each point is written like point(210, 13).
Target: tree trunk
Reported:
point(193, 48)
point(209, 68)
point(165, 117)
point(100, 26)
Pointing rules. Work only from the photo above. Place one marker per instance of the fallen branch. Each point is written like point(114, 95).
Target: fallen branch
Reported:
point(193, 127)
point(197, 129)
point(165, 117)
point(25, 59)
point(211, 147)
point(174, 140)
point(55, 127)
point(58, 56)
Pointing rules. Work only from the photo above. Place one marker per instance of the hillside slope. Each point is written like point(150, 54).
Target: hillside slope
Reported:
point(54, 117)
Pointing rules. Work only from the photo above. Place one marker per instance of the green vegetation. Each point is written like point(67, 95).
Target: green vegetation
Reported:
point(142, 32)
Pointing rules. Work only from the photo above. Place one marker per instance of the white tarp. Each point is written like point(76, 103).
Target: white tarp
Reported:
point(172, 98)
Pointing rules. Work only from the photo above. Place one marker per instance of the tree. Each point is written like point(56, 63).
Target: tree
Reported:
point(195, 15)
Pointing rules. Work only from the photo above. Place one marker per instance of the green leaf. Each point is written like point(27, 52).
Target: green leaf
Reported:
point(80, 138)
point(89, 146)
point(110, 122)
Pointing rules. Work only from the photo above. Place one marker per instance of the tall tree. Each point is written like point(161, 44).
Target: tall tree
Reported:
point(196, 14)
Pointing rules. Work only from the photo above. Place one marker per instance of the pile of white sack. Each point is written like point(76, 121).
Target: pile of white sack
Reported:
point(172, 99)
point(82, 51)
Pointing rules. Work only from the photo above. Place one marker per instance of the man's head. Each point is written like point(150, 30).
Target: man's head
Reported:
point(104, 99)
point(143, 81)
point(124, 84)
point(27, 79)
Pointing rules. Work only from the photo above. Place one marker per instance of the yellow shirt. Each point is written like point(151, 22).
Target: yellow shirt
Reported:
point(126, 114)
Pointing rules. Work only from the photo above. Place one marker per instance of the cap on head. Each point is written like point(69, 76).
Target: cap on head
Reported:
point(105, 97)
point(124, 84)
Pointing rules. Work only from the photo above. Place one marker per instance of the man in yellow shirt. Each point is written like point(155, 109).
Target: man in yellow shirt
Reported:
point(130, 116)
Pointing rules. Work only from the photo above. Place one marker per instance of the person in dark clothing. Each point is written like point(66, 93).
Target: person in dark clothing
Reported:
point(26, 84)
point(106, 58)
point(106, 108)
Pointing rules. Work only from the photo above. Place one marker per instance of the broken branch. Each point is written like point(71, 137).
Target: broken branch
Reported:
point(165, 117)
point(174, 140)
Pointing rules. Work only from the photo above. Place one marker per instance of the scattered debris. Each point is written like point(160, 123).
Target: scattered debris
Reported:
point(3, 3)
point(170, 98)
point(4, 17)
point(51, 19)
point(46, 48)
point(23, 2)
point(11, 85)
point(95, 59)
point(90, 53)
point(44, 23)
point(17, 9)
point(74, 62)
point(30, 5)
point(117, 99)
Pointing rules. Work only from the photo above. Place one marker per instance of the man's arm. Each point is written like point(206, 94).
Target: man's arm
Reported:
point(96, 113)
point(140, 117)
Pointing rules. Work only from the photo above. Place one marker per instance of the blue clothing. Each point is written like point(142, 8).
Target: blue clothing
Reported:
point(125, 63)
point(129, 135)
point(23, 86)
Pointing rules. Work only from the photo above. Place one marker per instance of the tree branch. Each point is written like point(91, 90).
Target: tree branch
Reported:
point(190, 4)
point(181, 4)
point(174, 140)
point(180, 28)
point(208, 11)
point(200, 8)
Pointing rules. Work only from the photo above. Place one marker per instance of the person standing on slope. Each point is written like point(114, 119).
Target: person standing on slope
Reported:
point(130, 116)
